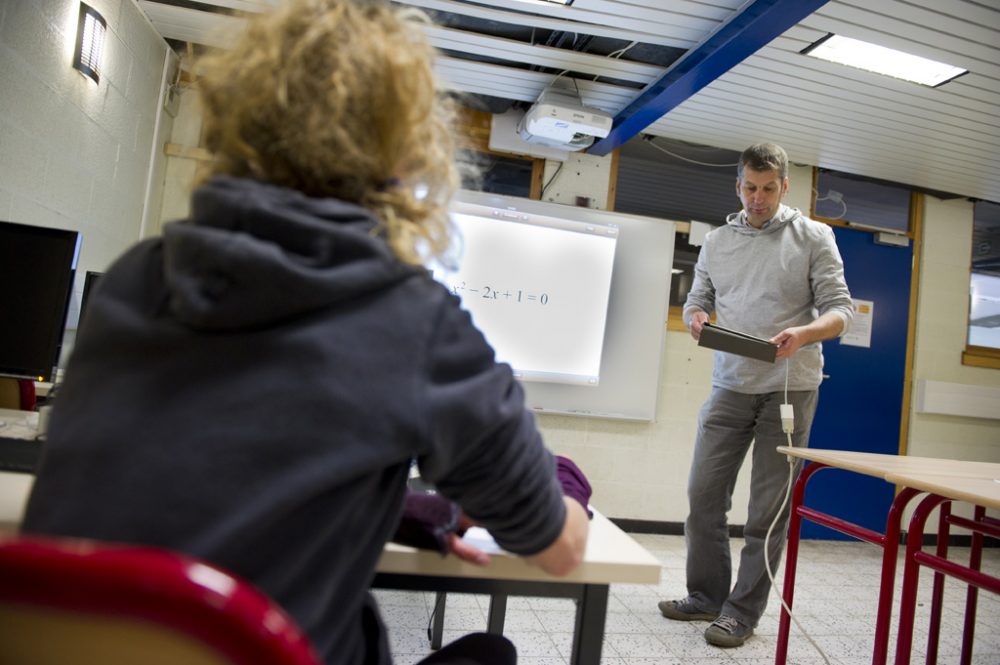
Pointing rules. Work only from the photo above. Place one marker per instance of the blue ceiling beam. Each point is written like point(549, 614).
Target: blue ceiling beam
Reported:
point(759, 23)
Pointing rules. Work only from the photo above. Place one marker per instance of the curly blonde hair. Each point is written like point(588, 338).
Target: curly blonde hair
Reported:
point(336, 98)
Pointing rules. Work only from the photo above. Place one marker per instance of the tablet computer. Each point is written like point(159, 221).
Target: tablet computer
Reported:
point(733, 341)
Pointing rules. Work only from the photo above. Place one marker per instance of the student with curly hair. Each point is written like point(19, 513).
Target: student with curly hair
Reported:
point(251, 387)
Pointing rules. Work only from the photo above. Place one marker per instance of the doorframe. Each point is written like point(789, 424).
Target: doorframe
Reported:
point(915, 233)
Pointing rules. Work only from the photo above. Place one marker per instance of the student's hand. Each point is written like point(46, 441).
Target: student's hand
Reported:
point(467, 552)
point(566, 553)
point(698, 320)
point(463, 550)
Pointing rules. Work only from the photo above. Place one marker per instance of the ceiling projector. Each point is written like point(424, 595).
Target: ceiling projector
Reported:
point(560, 120)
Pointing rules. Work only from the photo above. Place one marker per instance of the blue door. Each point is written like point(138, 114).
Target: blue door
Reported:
point(860, 403)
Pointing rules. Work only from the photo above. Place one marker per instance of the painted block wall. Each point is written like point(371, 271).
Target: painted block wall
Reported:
point(640, 470)
point(941, 329)
point(75, 154)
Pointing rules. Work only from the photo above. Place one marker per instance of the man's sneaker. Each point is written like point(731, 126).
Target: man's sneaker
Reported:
point(727, 632)
point(684, 610)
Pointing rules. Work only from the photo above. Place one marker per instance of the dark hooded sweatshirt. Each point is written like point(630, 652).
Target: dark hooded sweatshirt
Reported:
point(251, 388)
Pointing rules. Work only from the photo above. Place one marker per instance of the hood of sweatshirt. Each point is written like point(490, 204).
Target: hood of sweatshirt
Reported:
point(253, 254)
point(738, 221)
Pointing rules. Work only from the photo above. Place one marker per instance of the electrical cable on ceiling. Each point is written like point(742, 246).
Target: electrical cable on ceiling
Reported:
point(618, 54)
point(551, 179)
point(835, 196)
point(686, 159)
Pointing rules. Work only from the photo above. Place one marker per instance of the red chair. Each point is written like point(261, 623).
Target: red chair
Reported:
point(81, 602)
point(28, 396)
point(17, 394)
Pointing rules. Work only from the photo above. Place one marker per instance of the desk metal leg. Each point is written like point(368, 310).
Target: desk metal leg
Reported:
point(437, 620)
point(498, 610)
point(937, 594)
point(791, 560)
point(889, 542)
point(916, 557)
point(972, 596)
point(890, 547)
point(980, 525)
point(591, 612)
point(497, 613)
point(911, 569)
point(591, 599)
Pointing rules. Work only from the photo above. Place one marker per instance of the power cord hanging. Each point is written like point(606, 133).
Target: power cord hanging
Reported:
point(788, 427)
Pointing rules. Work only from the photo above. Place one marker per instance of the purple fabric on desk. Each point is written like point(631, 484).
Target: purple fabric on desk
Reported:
point(574, 483)
point(429, 518)
point(427, 521)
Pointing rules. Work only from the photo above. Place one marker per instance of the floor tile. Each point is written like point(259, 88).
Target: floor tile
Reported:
point(836, 599)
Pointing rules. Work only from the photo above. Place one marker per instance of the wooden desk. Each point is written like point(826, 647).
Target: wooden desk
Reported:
point(14, 487)
point(880, 466)
point(962, 480)
point(14, 490)
point(978, 485)
point(612, 556)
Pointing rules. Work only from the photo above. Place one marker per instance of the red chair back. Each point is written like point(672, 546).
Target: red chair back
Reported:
point(81, 601)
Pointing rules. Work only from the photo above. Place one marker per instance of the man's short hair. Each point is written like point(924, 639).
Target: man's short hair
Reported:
point(764, 157)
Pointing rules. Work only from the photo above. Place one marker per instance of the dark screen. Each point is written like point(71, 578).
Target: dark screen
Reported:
point(89, 282)
point(36, 277)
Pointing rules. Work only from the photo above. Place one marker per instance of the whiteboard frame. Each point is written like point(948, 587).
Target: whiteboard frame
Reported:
point(637, 313)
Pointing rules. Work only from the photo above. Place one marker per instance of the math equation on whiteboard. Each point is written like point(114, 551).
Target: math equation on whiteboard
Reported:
point(463, 290)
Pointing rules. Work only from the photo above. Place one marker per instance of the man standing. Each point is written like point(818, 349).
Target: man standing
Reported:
point(773, 273)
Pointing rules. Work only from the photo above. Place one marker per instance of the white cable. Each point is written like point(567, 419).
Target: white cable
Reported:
point(786, 380)
point(836, 197)
point(685, 159)
point(620, 52)
point(616, 54)
point(770, 529)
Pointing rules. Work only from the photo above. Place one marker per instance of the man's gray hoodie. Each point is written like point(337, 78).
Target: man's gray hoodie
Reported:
point(761, 281)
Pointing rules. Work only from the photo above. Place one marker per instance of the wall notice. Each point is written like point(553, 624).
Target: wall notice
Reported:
point(860, 333)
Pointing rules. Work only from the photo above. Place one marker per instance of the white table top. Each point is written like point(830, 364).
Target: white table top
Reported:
point(14, 490)
point(975, 482)
point(879, 465)
point(612, 556)
point(978, 491)
point(14, 487)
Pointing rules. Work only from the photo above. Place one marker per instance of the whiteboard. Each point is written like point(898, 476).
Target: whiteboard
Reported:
point(636, 315)
point(530, 283)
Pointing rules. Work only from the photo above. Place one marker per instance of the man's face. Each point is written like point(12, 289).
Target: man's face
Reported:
point(760, 193)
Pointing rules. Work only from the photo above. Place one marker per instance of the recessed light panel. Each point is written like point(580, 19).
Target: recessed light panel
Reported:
point(882, 60)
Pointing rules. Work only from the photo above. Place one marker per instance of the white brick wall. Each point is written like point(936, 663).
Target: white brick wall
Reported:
point(75, 154)
point(942, 326)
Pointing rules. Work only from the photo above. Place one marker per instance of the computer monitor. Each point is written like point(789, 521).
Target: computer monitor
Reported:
point(37, 266)
point(89, 282)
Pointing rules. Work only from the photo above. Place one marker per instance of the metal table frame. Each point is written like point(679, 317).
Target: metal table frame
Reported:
point(591, 604)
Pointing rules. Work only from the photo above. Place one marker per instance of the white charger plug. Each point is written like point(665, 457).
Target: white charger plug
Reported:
point(787, 419)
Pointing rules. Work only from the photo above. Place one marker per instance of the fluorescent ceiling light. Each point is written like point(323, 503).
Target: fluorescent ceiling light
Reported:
point(882, 60)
